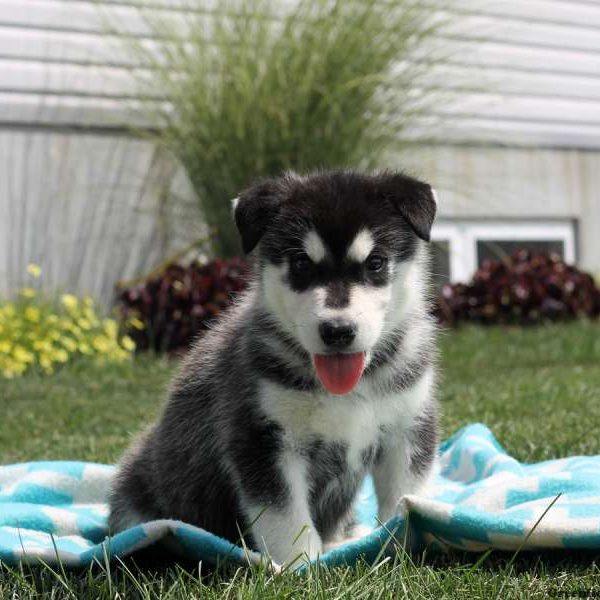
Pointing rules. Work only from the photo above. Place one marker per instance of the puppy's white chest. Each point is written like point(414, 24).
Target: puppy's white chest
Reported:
point(353, 420)
point(304, 417)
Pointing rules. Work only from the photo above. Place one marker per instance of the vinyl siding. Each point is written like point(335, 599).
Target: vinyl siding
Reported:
point(90, 209)
point(521, 72)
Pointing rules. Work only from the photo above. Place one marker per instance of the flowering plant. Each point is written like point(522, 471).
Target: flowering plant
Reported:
point(38, 333)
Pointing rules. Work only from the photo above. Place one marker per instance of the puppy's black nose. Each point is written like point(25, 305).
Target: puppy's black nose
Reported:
point(337, 333)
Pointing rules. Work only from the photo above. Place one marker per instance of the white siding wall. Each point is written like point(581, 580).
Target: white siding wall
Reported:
point(83, 203)
point(518, 71)
point(525, 185)
point(90, 209)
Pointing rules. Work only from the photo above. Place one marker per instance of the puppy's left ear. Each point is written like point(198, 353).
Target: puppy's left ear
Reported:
point(254, 210)
point(413, 199)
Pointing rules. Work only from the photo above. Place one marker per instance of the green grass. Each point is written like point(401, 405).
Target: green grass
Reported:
point(538, 390)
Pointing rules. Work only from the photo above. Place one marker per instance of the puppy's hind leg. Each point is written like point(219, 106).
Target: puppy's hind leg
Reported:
point(132, 497)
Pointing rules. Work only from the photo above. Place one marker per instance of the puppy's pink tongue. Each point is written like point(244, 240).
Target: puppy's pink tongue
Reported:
point(339, 373)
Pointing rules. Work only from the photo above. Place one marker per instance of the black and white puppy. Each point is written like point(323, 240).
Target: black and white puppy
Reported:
point(323, 371)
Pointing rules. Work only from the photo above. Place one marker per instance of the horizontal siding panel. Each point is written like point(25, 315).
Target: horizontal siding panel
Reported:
point(466, 129)
point(91, 17)
point(85, 17)
point(492, 54)
point(526, 33)
point(173, 5)
point(31, 109)
point(96, 81)
point(69, 47)
point(511, 82)
point(521, 108)
point(60, 47)
point(84, 48)
point(36, 78)
point(566, 12)
point(553, 11)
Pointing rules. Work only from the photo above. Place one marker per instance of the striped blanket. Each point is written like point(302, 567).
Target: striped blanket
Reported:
point(481, 498)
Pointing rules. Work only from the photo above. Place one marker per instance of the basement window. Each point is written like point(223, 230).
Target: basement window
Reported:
point(460, 246)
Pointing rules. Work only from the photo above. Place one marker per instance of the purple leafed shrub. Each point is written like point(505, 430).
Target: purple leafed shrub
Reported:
point(180, 303)
point(523, 289)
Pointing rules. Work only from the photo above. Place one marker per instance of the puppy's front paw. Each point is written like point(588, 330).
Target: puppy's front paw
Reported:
point(307, 546)
point(280, 546)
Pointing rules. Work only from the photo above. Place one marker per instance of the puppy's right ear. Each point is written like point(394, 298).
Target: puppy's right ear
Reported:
point(254, 210)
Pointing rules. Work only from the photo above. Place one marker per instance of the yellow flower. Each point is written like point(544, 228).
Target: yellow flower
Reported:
point(60, 355)
point(9, 310)
point(84, 324)
point(64, 323)
point(32, 313)
point(101, 343)
point(136, 323)
point(128, 343)
point(110, 327)
point(42, 346)
point(90, 315)
point(27, 293)
point(45, 361)
point(88, 301)
point(21, 355)
point(118, 355)
point(84, 348)
point(69, 301)
point(46, 364)
point(34, 270)
point(68, 343)
point(5, 347)
point(71, 327)
point(11, 369)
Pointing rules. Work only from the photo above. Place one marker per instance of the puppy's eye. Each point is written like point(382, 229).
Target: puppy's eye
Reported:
point(300, 264)
point(376, 263)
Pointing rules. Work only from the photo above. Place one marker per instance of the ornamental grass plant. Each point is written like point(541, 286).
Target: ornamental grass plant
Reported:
point(250, 89)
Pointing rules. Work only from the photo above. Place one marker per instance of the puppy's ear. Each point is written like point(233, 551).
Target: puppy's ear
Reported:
point(413, 199)
point(254, 210)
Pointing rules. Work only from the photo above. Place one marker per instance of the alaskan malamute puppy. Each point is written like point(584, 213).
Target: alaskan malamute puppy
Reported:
point(322, 372)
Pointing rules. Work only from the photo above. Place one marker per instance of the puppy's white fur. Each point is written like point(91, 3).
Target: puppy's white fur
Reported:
point(314, 247)
point(361, 246)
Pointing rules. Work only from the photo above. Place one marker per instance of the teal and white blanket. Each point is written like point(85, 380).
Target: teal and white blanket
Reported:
point(482, 498)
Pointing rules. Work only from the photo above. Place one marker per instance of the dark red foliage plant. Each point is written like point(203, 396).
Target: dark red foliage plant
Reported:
point(166, 312)
point(523, 289)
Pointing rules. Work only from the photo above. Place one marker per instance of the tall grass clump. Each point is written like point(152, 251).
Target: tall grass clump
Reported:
point(252, 88)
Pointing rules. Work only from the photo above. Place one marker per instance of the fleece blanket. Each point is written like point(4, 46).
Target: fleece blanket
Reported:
point(481, 498)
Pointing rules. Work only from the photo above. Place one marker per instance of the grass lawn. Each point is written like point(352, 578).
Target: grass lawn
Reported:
point(537, 389)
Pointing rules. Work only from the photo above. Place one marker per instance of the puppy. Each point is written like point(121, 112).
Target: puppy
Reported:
point(322, 372)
